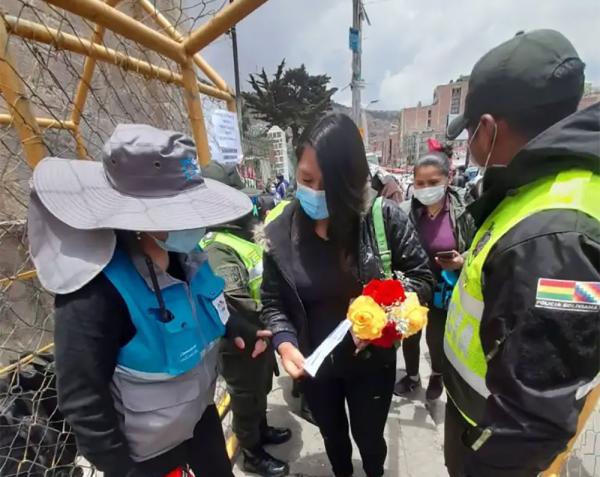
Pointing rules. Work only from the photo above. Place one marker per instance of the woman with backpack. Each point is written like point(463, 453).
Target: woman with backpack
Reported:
point(438, 212)
point(319, 254)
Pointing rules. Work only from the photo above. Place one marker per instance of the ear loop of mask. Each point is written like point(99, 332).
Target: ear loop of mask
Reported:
point(487, 160)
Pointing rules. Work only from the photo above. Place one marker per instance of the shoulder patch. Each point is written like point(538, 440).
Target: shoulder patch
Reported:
point(568, 295)
point(483, 241)
point(233, 276)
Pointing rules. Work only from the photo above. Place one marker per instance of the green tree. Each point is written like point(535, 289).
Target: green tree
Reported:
point(292, 98)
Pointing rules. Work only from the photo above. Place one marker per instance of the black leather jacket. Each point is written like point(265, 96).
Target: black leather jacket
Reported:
point(283, 310)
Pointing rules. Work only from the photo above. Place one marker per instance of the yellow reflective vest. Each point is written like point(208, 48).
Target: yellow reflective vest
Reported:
point(250, 254)
point(276, 211)
point(466, 377)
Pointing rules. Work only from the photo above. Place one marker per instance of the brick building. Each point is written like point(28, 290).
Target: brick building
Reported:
point(421, 122)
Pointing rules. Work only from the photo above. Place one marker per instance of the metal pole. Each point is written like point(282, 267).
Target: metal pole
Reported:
point(66, 41)
point(13, 90)
point(219, 24)
point(166, 25)
point(236, 69)
point(43, 123)
point(195, 113)
point(99, 12)
point(84, 87)
point(356, 62)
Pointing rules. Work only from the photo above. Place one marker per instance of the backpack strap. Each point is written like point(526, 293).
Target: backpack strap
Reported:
point(380, 236)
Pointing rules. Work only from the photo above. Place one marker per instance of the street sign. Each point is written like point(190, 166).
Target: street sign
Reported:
point(354, 39)
point(226, 146)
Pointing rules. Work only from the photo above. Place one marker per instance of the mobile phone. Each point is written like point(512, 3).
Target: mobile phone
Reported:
point(446, 255)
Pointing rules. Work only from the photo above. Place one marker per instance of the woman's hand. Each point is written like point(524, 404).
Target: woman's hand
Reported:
point(455, 263)
point(360, 344)
point(292, 359)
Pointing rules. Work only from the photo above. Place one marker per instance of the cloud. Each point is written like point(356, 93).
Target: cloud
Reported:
point(411, 47)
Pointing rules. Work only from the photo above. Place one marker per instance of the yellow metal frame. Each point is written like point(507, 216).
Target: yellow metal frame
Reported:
point(169, 42)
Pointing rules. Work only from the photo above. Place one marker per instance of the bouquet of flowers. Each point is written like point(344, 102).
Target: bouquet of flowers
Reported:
point(385, 314)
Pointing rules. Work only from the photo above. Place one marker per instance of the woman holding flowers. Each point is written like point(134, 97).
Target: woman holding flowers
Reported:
point(320, 253)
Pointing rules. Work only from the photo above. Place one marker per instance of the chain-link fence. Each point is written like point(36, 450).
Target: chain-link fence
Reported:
point(34, 439)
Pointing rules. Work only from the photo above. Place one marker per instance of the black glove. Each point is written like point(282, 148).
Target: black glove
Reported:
point(238, 327)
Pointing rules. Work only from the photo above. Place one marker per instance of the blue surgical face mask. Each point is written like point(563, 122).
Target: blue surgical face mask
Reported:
point(181, 241)
point(313, 202)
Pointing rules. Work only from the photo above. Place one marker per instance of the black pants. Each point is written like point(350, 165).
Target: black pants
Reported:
point(205, 453)
point(366, 386)
point(455, 451)
point(249, 381)
point(411, 347)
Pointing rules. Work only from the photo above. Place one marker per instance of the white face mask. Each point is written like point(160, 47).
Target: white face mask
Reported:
point(430, 195)
point(181, 241)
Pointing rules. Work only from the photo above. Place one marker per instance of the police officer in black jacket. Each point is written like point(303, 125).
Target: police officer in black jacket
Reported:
point(522, 338)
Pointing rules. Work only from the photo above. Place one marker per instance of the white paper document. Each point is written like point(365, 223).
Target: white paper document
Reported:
point(315, 360)
point(226, 146)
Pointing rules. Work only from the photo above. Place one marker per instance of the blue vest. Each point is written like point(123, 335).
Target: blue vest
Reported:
point(176, 347)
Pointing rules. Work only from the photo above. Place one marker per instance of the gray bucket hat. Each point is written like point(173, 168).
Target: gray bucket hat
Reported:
point(148, 180)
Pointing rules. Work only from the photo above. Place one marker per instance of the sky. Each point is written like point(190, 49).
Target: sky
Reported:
point(411, 46)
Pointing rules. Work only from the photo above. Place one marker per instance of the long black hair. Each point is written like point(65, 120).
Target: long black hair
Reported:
point(343, 162)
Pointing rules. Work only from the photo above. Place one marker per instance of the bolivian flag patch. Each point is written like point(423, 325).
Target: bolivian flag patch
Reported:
point(568, 295)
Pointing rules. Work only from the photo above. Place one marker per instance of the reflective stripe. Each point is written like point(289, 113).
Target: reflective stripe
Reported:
point(160, 377)
point(249, 253)
point(585, 389)
point(470, 304)
point(572, 189)
point(476, 382)
point(255, 272)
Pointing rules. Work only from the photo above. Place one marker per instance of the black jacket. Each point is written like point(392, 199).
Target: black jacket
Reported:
point(540, 357)
point(283, 310)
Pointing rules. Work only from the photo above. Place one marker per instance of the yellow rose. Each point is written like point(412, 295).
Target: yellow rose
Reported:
point(367, 317)
point(413, 313)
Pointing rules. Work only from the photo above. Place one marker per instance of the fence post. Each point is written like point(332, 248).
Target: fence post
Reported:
point(11, 87)
point(103, 14)
point(219, 24)
point(194, 107)
point(84, 87)
point(589, 406)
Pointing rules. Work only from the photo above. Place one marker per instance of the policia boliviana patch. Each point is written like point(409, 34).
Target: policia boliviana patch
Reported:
point(568, 295)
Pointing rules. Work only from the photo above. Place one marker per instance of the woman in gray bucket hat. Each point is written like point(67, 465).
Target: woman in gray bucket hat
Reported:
point(139, 312)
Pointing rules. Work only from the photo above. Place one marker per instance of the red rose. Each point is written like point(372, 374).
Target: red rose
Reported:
point(389, 336)
point(385, 292)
